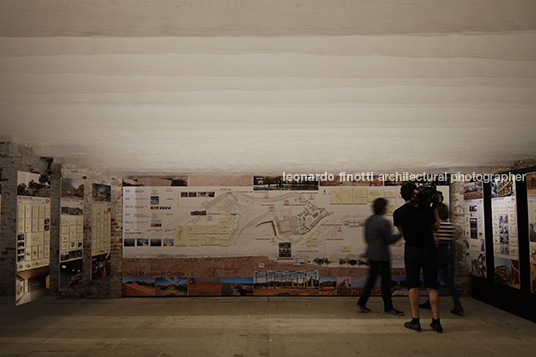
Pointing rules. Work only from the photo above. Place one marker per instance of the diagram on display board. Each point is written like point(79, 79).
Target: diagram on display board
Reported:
point(162, 222)
point(248, 224)
point(474, 228)
point(505, 239)
point(33, 236)
point(71, 233)
point(531, 200)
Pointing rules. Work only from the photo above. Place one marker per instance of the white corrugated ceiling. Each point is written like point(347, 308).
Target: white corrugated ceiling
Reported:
point(262, 87)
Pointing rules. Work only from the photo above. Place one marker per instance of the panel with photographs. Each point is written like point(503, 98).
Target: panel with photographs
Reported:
point(101, 235)
point(71, 233)
point(531, 201)
point(33, 235)
point(250, 223)
point(474, 228)
point(504, 225)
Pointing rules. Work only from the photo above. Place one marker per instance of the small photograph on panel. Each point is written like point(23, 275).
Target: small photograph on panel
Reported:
point(358, 283)
point(285, 282)
point(211, 194)
point(139, 287)
point(33, 185)
point(102, 193)
point(237, 286)
point(129, 242)
point(502, 187)
point(507, 272)
point(155, 200)
point(192, 194)
point(344, 286)
point(285, 250)
point(472, 191)
point(169, 242)
point(198, 213)
point(71, 188)
point(204, 286)
point(142, 242)
point(71, 273)
point(184, 194)
point(156, 181)
point(156, 242)
point(171, 286)
point(328, 285)
point(399, 286)
point(288, 183)
point(65, 256)
point(532, 233)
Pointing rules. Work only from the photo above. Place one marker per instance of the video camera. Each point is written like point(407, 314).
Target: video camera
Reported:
point(426, 195)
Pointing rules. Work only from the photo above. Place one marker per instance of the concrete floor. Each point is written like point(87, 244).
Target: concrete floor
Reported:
point(253, 326)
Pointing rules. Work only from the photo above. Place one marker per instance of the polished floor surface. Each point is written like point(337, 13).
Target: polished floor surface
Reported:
point(253, 326)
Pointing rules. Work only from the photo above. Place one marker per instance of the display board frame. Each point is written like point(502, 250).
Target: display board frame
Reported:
point(518, 300)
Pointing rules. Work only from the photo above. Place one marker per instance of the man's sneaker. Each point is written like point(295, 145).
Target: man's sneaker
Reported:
point(411, 326)
point(394, 311)
point(437, 326)
point(363, 308)
point(458, 311)
point(425, 305)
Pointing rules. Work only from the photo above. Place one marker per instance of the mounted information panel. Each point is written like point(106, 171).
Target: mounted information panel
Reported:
point(297, 237)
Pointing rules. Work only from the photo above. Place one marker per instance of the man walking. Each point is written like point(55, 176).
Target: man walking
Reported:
point(378, 236)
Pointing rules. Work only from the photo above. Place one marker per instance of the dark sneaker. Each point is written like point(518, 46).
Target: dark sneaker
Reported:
point(363, 308)
point(458, 311)
point(411, 326)
point(437, 326)
point(394, 311)
point(425, 305)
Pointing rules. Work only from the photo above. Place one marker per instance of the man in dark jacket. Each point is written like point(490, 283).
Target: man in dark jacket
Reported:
point(378, 236)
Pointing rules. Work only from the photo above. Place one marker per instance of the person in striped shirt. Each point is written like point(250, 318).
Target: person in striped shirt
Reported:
point(444, 238)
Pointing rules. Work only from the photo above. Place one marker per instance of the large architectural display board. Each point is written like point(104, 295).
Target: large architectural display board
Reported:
point(531, 193)
point(505, 239)
point(474, 228)
point(101, 231)
point(244, 230)
point(71, 233)
point(33, 236)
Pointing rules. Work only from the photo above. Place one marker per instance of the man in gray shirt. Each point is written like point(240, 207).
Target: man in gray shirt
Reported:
point(378, 236)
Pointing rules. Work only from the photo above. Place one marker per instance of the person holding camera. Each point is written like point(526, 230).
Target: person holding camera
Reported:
point(378, 236)
point(417, 223)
